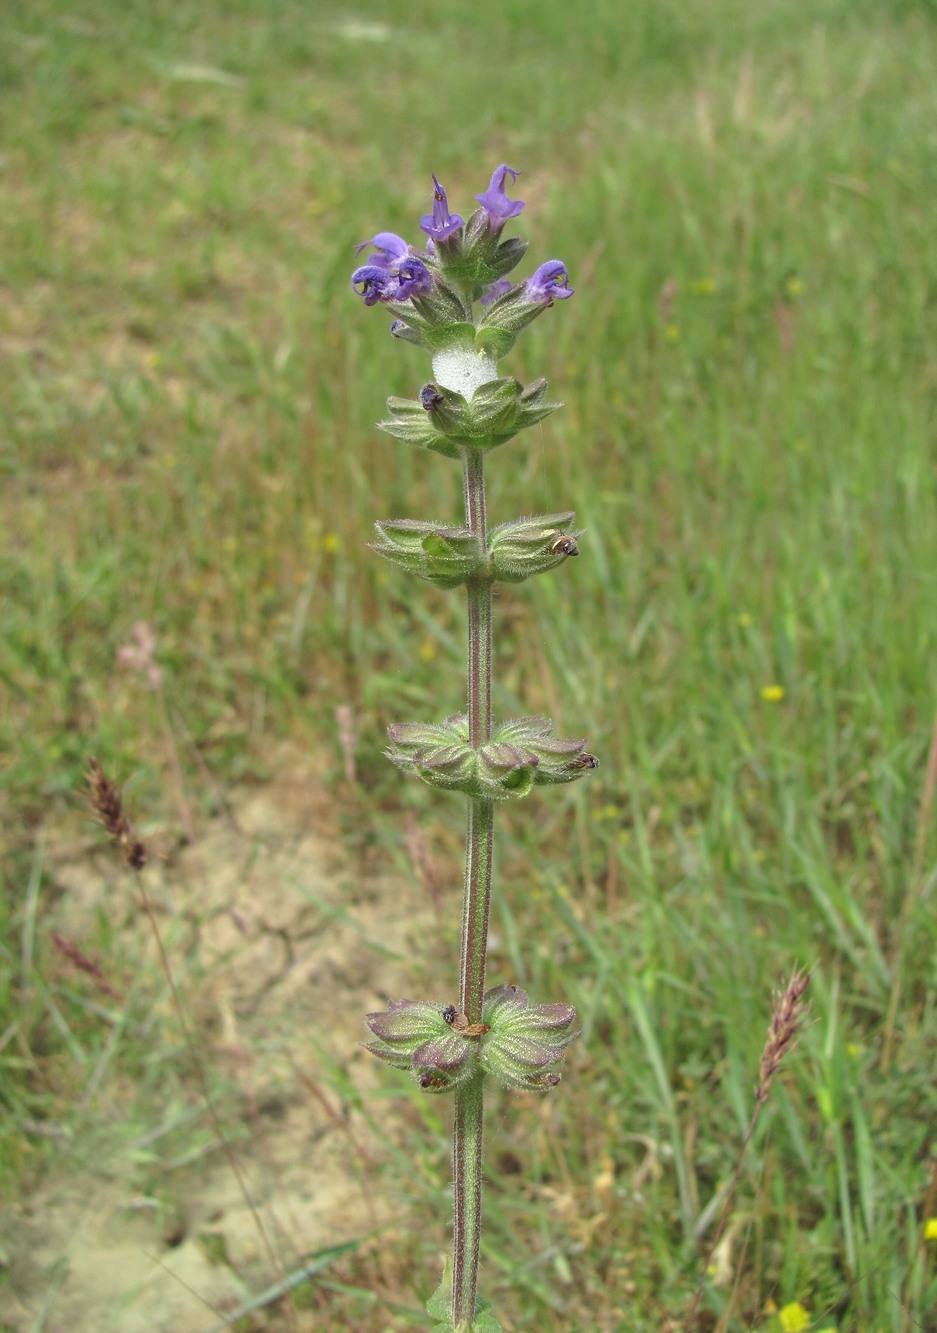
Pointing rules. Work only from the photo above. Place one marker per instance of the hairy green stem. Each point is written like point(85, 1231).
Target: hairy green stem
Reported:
point(479, 608)
point(469, 1108)
point(479, 840)
point(467, 1129)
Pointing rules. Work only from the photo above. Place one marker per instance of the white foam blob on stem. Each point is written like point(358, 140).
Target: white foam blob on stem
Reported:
point(463, 369)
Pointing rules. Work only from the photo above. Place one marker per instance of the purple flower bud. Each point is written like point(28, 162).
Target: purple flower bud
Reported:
point(374, 284)
point(390, 249)
point(548, 283)
point(494, 290)
point(441, 224)
point(496, 203)
point(430, 397)
point(401, 329)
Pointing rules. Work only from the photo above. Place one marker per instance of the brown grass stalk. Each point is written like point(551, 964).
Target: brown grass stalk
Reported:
point(787, 1019)
point(105, 800)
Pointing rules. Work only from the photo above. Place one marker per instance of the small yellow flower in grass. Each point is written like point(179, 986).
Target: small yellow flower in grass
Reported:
point(772, 694)
point(703, 286)
point(605, 812)
point(330, 543)
point(743, 619)
point(794, 286)
point(672, 333)
point(428, 650)
point(930, 1229)
point(794, 1318)
point(604, 1181)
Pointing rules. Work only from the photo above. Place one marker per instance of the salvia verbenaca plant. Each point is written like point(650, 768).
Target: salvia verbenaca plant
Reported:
point(453, 299)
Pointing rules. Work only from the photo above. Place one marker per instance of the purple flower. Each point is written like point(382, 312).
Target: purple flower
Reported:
point(373, 283)
point(414, 279)
point(494, 290)
point(441, 224)
point(496, 203)
point(548, 283)
point(398, 282)
point(389, 247)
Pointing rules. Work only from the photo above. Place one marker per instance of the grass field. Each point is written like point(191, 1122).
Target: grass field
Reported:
point(744, 196)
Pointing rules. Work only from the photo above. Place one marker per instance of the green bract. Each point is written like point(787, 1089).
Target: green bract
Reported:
point(520, 755)
point(516, 1042)
point(441, 419)
point(497, 411)
point(419, 1036)
point(477, 258)
point(524, 1042)
point(441, 554)
point(408, 422)
point(527, 546)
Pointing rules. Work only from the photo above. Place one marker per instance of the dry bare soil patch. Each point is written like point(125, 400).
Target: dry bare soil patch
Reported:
point(280, 944)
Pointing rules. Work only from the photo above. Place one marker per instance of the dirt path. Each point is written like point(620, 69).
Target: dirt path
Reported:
point(281, 948)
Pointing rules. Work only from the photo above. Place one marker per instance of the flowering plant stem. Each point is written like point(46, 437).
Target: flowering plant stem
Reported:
point(468, 1120)
point(467, 1128)
point(467, 410)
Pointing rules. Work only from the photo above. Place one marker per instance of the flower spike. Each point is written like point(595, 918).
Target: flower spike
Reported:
point(453, 299)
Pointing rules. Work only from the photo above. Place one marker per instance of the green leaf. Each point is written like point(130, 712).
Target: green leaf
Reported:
point(496, 342)
point(439, 1306)
point(486, 1323)
point(433, 544)
point(447, 334)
